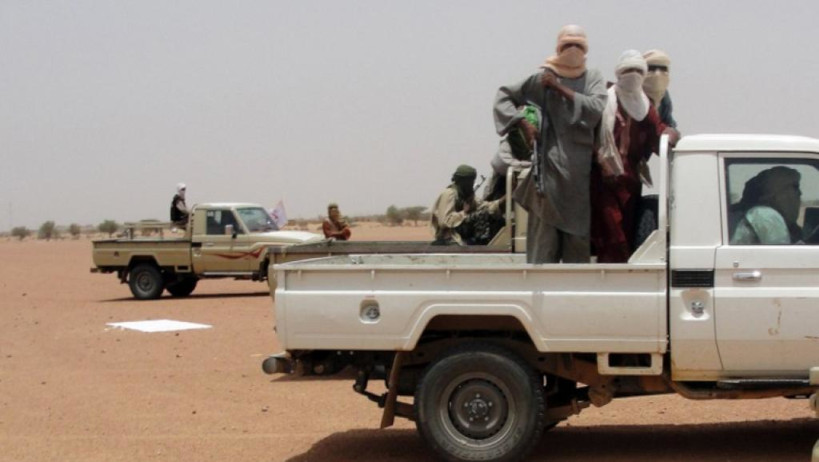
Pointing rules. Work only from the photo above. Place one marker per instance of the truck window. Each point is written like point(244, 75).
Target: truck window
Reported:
point(772, 201)
point(217, 221)
point(256, 219)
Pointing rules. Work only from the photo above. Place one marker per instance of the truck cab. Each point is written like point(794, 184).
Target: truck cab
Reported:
point(234, 238)
point(742, 307)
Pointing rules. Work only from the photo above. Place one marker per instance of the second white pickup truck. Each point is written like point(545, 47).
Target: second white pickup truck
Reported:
point(720, 302)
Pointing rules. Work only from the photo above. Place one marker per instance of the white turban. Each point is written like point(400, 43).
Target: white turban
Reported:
point(629, 86)
point(180, 188)
point(631, 59)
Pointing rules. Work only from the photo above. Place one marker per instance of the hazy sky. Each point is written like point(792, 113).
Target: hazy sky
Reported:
point(106, 105)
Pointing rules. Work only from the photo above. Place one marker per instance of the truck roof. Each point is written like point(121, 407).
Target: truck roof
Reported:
point(747, 143)
point(226, 204)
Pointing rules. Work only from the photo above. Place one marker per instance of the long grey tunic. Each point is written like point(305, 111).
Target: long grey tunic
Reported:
point(567, 144)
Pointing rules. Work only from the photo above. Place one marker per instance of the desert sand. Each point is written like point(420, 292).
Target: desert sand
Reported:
point(73, 388)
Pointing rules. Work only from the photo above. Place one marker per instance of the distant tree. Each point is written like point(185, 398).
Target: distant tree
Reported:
point(20, 232)
point(74, 230)
point(48, 231)
point(414, 213)
point(394, 215)
point(108, 226)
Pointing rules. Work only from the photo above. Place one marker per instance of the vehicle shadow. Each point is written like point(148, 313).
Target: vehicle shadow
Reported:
point(765, 440)
point(165, 298)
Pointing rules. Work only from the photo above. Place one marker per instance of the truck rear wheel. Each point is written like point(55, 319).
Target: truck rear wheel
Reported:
point(182, 287)
point(480, 403)
point(145, 281)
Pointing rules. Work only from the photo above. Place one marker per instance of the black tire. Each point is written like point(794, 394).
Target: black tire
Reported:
point(145, 281)
point(646, 219)
point(182, 287)
point(494, 388)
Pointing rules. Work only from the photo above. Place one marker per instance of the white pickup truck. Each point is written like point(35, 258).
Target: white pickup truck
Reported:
point(717, 303)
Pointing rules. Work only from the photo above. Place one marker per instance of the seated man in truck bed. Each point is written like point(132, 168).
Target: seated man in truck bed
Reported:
point(335, 227)
point(458, 218)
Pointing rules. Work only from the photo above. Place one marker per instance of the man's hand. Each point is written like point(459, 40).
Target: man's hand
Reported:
point(673, 135)
point(549, 79)
point(529, 131)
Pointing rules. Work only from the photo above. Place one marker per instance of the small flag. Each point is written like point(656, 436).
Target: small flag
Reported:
point(279, 215)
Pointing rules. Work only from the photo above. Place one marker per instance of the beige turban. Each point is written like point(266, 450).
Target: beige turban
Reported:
point(569, 62)
point(657, 58)
point(656, 83)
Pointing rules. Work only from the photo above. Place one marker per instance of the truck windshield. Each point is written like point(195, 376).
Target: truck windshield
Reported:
point(257, 219)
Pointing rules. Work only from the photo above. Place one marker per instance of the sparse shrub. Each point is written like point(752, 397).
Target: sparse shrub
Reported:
point(108, 226)
point(48, 231)
point(20, 232)
point(414, 213)
point(394, 216)
point(74, 230)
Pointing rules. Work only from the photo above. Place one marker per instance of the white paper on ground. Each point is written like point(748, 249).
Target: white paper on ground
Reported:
point(159, 325)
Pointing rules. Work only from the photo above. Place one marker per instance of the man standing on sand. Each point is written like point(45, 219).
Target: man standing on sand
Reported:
point(334, 226)
point(571, 98)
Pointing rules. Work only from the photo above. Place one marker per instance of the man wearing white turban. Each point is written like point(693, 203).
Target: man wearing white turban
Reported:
point(571, 98)
point(630, 131)
point(179, 210)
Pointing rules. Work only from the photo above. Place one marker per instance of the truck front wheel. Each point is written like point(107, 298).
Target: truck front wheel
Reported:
point(480, 403)
point(145, 281)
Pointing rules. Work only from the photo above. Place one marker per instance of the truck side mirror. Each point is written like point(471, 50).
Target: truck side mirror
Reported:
point(230, 231)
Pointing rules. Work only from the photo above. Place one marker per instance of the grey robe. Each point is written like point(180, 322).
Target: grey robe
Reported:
point(567, 143)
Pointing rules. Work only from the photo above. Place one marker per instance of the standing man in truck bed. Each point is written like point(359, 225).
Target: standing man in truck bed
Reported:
point(572, 98)
point(179, 210)
point(630, 131)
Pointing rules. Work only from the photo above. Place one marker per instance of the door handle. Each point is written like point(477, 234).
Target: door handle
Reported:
point(748, 276)
point(209, 244)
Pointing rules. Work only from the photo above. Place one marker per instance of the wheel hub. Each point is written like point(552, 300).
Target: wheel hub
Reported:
point(144, 282)
point(478, 408)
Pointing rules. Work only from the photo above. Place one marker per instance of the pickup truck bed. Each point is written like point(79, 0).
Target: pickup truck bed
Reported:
point(116, 253)
point(624, 312)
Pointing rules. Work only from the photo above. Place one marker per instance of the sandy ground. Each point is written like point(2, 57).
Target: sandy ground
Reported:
point(74, 389)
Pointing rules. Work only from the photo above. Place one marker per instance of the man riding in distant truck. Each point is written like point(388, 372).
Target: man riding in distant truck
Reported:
point(179, 210)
